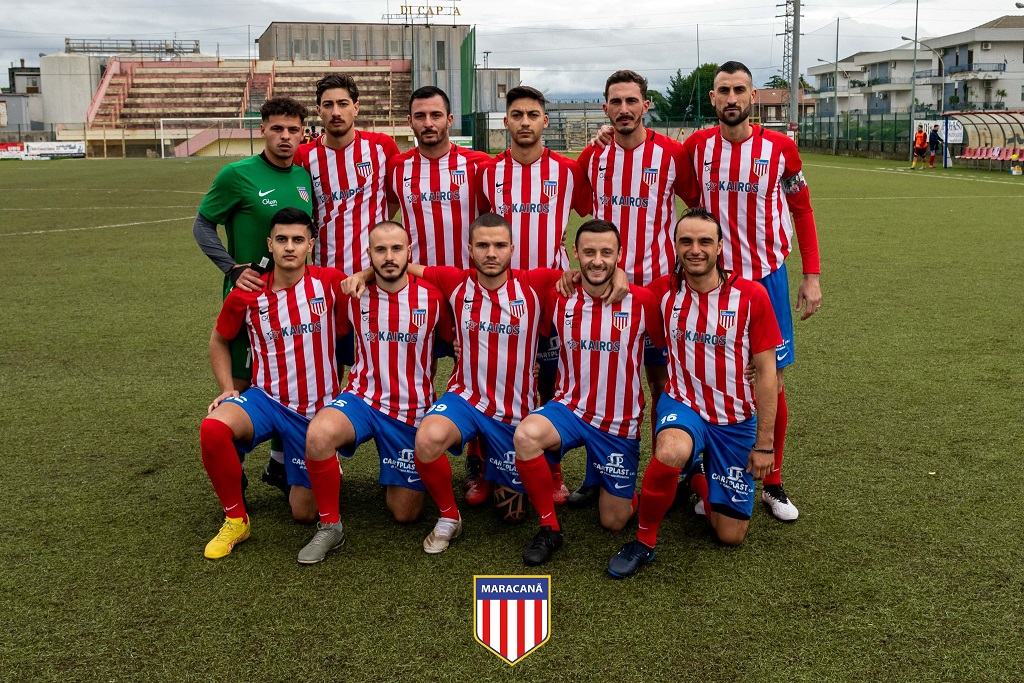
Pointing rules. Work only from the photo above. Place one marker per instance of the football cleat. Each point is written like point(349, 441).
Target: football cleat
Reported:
point(274, 475)
point(478, 491)
point(698, 509)
point(629, 559)
point(560, 492)
point(232, 532)
point(542, 547)
point(778, 503)
point(584, 496)
point(327, 538)
point(445, 531)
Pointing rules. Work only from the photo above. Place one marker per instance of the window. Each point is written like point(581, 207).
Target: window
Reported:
point(346, 49)
point(502, 89)
point(395, 49)
point(314, 48)
point(441, 54)
point(1022, 94)
point(296, 48)
point(332, 49)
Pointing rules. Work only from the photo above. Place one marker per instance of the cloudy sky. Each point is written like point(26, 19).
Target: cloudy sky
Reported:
point(565, 49)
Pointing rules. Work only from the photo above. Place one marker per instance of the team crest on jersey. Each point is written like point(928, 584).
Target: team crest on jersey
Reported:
point(419, 316)
point(512, 614)
point(304, 193)
point(726, 319)
point(317, 306)
point(458, 177)
point(650, 176)
point(550, 188)
point(517, 308)
point(620, 320)
point(364, 169)
point(760, 167)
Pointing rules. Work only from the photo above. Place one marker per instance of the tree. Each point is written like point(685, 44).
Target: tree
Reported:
point(686, 96)
point(779, 83)
point(1001, 94)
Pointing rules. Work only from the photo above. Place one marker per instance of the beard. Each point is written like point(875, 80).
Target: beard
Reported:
point(733, 118)
point(390, 278)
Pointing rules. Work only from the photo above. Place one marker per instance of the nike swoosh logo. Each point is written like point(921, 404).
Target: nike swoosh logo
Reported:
point(264, 194)
point(231, 508)
point(408, 179)
point(364, 312)
point(412, 480)
point(738, 499)
point(516, 482)
point(601, 168)
point(677, 308)
point(780, 356)
point(624, 486)
point(470, 300)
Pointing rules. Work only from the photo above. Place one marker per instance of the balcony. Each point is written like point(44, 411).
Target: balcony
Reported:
point(977, 67)
point(929, 77)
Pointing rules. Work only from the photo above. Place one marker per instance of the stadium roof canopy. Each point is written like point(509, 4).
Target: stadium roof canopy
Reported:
point(999, 128)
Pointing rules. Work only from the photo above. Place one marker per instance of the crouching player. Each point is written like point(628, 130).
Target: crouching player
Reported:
point(599, 401)
point(716, 323)
point(389, 388)
point(291, 325)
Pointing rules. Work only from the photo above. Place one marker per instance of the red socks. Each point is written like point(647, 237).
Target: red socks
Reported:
point(781, 422)
point(437, 479)
point(536, 476)
point(656, 495)
point(325, 480)
point(699, 485)
point(216, 441)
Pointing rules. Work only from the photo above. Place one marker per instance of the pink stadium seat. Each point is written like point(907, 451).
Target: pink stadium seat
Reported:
point(967, 153)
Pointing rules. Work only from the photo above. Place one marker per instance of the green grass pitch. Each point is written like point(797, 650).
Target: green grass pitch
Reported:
point(903, 456)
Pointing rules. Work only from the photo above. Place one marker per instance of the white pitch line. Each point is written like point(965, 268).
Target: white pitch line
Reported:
point(95, 227)
point(943, 176)
point(880, 199)
point(95, 208)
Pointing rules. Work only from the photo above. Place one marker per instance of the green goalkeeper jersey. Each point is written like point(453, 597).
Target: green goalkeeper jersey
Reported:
point(244, 197)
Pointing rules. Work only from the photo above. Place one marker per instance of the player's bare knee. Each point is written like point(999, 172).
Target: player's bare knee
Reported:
point(319, 444)
point(303, 505)
point(614, 520)
point(405, 514)
point(731, 532)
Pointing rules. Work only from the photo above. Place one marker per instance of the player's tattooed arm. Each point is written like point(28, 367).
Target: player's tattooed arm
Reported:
point(766, 397)
point(220, 362)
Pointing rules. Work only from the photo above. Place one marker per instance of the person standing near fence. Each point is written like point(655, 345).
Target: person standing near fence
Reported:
point(935, 144)
point(244, 196)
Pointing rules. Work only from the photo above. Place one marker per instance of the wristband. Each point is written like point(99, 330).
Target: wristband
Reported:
point(236, 272)
point(770, 451)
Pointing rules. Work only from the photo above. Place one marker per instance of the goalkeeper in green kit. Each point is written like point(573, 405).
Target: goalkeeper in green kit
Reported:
point(244, 197)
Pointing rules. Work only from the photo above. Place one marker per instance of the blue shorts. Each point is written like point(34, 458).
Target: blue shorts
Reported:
point(612, 461)
point(777, 284)
point(547, 358)
point(345, 351)
point(395, 440)
point(495, 438)
point(269, 418)
point(725, 448)
point(653, 356)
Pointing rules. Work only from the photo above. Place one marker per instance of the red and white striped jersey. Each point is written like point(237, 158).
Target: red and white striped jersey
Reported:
point(497, 331)
point(438, 203)
point(292, 334)
point(394, 334)
point(349, 196)
point(635, 189)
point(601, 355)
point(536, 200)
point(711, 337)
point(749, 186)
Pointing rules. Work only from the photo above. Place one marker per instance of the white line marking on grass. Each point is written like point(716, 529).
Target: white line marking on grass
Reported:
point(95, 208)
point(930, 196)
point(95, 227)
point(904, 171)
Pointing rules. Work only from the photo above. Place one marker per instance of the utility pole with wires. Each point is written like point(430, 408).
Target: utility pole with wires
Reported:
point(791, 58)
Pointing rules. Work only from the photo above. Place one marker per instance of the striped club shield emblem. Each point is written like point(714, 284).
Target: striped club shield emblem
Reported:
point(760, 167)
point(620, 320)
point(517, 308)
point(364, 169)
point(650, 176)
point(512, 614)
point(726, 319)
point(419, 316)
point(317, 306)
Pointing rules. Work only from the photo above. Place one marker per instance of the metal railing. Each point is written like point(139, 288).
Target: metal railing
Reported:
point(977, 66)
